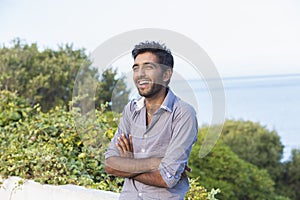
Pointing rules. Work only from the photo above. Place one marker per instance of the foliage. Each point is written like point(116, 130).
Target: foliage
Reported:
point(47, 77)
point(54, 148)
point(198, 192)
point(112, 90)
point(290, 182)
point(255, 144)
point(12, 108)
point(223, 169)
point(47, 148)
point(44, 77)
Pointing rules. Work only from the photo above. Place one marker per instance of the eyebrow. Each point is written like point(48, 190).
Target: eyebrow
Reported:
point(145, 63)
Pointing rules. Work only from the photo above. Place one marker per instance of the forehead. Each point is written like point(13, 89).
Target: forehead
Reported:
point(145, 57)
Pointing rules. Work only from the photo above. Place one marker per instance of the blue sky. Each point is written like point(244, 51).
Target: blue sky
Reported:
point(243, 38)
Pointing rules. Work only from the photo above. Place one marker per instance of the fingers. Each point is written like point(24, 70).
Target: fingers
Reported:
point(125, 146)
point(188, 169)
point(121, 152)
point(126, 142)
point(183, 174)
point(122, 143)
point(130, 143)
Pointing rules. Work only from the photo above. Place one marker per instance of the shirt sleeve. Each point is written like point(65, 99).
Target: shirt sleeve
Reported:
point(185, 130)
point(123, 128)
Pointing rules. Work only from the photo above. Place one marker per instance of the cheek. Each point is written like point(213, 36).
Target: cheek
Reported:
point(159, 77)
point(155, 75)
point(134, 77)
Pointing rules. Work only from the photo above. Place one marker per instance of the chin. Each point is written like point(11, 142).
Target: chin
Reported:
point(147, 94)
point(144, 94)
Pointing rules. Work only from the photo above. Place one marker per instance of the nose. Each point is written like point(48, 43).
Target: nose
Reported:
point(140, 72)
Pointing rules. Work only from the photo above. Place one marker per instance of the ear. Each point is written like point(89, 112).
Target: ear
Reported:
point(167, 74)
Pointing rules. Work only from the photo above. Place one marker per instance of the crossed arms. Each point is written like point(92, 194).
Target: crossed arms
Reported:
point(144, 170)
point(160, 172)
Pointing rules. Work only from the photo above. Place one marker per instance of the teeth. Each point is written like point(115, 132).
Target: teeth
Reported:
point(141, 82)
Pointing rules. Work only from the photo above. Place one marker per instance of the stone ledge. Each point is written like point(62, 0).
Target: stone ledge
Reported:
point(30, 190)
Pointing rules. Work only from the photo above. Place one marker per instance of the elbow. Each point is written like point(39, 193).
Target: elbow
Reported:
point(168, 186)
point(172, 182)
point(169, 182)
point(165, 185)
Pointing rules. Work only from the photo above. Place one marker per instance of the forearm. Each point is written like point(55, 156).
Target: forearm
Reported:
point(112, 171)
point(153, 178)
point(129, 167)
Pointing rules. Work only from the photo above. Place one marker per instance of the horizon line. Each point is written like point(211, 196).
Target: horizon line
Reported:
point(251, 77)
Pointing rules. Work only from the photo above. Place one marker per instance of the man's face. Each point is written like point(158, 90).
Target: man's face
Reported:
point(147, 74)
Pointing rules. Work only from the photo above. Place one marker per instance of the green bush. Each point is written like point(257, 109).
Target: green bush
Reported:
point(61, 147)
point(47, 147)
point(46, 77)
point(198, 192)
point(223, 169)
point(256, 144)
point(12, 108)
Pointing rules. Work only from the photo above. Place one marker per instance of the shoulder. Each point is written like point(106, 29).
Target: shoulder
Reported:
point(176, 104)
point(183, 107)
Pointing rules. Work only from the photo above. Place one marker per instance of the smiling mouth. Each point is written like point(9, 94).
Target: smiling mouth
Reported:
point(143, 82)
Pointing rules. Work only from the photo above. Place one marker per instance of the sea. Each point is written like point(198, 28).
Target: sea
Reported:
point(272, 100)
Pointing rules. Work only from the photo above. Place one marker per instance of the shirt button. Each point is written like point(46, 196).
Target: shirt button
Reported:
point(168, 175)
point(140, 194)
point(146, 136)
point(143, 150)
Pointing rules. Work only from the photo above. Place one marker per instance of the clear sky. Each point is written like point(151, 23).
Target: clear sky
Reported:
point(242, 37)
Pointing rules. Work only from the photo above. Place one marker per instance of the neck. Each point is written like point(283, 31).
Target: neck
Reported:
point(154, 102)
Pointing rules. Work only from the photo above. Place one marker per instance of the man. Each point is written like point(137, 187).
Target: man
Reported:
point(156, 132)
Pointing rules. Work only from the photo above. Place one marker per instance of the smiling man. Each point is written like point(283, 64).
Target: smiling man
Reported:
point(156, 132)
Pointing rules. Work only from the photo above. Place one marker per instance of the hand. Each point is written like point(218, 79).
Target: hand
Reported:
point(186, 169)
point(125, 146)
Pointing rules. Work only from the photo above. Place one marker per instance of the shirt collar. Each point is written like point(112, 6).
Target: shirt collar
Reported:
point(139, 103)
point(168, 101)
point(166, 105)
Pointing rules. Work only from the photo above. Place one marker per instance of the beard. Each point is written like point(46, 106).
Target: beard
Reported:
point(152, 91)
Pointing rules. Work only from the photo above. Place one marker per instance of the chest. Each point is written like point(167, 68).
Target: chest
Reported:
point(151, 140)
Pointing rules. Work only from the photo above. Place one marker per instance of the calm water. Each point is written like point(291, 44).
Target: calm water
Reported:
point(273, 101)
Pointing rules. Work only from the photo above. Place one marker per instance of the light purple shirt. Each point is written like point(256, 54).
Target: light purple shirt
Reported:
point(171, 134)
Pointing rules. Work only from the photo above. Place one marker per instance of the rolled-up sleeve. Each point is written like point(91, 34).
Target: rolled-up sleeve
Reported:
point(185, 130)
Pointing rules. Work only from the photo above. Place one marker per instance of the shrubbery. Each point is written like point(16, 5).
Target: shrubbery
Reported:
point(46, 77)
point(50, 148)
point(255, 144)
point(58, 147)
point(227, 170)
point(12, 108)
point(47, 147)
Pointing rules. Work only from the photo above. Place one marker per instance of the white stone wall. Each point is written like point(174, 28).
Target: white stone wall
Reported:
point(10, 189)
